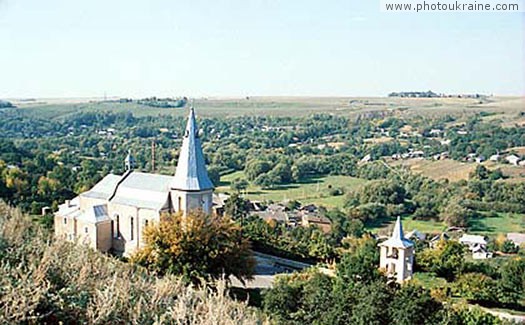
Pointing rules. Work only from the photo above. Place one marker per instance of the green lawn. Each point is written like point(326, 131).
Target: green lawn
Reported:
point(314, 190)
point(502, 223)
point(429, 280)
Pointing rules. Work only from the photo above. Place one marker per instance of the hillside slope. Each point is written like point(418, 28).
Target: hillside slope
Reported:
point(46, 281)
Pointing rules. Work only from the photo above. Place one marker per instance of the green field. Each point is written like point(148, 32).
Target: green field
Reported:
point(503, 223)
point(314, 190)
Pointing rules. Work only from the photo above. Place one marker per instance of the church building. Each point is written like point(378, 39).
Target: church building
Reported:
point(113, 214)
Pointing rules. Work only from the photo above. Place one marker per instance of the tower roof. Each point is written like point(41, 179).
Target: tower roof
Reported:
point(191, 174)
point(397, 239)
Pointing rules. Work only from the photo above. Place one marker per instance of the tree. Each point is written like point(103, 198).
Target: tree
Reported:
point(360, 262)
point(456, 214)
point(475, 287)
point(236, 207)
point(283, 172)
point(239, 184)
point(197, 246)
point(255, 168)
point(512, 282)
point(446, 260)
point(214, 175)
point(414, 305)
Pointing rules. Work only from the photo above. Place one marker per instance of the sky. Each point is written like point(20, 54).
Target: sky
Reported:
point(131, 48)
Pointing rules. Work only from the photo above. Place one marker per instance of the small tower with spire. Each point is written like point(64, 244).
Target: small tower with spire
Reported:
point(397, 255)
point(129, 162)
point(191, 188)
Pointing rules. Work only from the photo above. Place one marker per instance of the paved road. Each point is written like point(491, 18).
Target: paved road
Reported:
point(267, 268)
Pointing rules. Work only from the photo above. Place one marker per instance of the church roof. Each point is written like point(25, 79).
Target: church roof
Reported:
point(397, 239)
point(143, 190)
point(104, 188)
point(191, 174)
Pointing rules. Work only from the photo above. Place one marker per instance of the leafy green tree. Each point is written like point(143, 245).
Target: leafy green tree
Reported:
point(214, 175)
point(236, 207)
point(456, 214)
point(414, 305)
point(512, 282)
point(475, 287)
point(196, 246)
point(239, 184)
point(360, 262)
point(283, 172)
point(255, 168)
point(446, 260)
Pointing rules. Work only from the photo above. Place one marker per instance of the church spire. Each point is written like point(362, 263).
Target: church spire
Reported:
point(191, 174)
point(397, 239)
point(398, 230)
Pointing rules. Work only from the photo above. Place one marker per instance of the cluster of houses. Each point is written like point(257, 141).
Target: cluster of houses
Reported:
point(303, 216)
point(510, 159)
point(477, 244)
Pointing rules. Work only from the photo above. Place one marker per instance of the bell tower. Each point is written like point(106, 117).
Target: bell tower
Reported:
point(191, 188)
point(397, 255)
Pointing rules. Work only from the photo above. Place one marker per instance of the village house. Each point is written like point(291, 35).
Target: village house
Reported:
point(512, 159)
point(112, 215)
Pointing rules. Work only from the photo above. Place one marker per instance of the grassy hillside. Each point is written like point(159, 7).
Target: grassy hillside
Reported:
point(46, 281)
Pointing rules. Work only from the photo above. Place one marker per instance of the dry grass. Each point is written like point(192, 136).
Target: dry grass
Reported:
point(46, 281)
point(438, 169)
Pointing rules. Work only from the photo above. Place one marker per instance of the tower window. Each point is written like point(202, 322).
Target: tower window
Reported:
point(65, 221)
point(86, 230)
point(180, 204)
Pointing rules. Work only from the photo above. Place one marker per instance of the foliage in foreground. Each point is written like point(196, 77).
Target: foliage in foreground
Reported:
point(45, 281)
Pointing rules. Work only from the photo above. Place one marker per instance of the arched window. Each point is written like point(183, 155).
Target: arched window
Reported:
point(180, 204)
point(131, 228)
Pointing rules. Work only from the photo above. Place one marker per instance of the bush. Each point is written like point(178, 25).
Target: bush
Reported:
point(197, 246)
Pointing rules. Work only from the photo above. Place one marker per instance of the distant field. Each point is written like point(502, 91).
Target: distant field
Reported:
point(438, 169)
point(313, 191)
point(501, 224)
point(455, 170)
point(505, 109)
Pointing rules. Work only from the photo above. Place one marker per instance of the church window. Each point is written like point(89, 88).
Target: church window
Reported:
point(180, 204)
point(146, 223)
point(65, 221)
point(86, 230)
point(131, 228)
point(117, 228)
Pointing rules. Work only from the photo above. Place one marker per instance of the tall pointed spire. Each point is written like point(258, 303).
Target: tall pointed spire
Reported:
point(191, 174)
point(398, 230)
point(397, 239)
